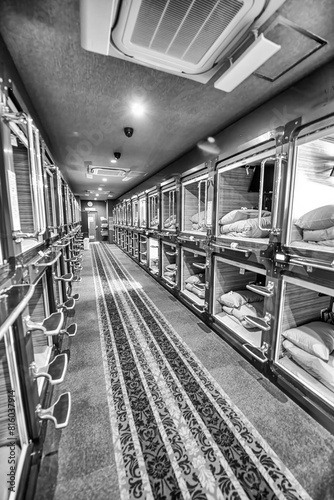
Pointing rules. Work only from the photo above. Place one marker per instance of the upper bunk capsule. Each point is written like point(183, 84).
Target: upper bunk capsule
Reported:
point(307, 216)
point(247, 199)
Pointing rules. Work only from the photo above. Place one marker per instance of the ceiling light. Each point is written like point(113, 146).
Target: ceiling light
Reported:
point(100, 189)
point(138, 109)
point(113, 161)
point(104, 179)
point(97, 194)
point(257, 54)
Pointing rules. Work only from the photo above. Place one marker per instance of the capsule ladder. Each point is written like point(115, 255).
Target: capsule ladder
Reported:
point(50, 326)
point(58, 413)
point(55, 371)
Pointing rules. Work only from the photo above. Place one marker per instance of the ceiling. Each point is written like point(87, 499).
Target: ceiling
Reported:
point(83, 98)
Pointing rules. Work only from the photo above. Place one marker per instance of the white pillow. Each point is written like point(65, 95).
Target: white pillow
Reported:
point(316, 338)
point(319, 369)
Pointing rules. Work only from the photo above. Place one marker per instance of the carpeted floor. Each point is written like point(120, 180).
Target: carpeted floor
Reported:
point(153, 388)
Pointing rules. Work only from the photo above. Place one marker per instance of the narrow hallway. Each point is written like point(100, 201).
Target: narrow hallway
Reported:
point(164, 408)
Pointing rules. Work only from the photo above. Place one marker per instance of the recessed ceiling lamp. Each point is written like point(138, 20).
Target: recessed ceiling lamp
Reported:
point(97, 194)
point(100, 189)
point(113, 160)
point(137, 108)
point(104, 179)
point(257, 54)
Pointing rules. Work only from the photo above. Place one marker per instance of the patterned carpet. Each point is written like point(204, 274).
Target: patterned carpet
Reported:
point(176, 434)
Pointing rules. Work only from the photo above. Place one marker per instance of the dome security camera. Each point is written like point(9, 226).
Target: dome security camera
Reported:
point(128, 131)
point(117, 155)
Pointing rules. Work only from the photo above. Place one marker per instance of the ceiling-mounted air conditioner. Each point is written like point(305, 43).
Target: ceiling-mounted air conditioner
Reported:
point(106, 171)
point(190, 38)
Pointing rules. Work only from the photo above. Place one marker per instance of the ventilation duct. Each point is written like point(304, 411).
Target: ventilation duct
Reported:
point(190, 38)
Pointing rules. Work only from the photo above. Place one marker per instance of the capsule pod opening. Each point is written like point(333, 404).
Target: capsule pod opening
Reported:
point(194, 205)
point(304, 348)
point(135, 212)
point(169, 266)
point(143, 249)
point(193, 267)
point(153, 255)
point(135, 244)
point(142, 211)
point(310, 228)
point(242, 304)
point(245, 200)
point(153, 210)
point(169, 207)
point(128, 213)
point(24, 179)
point(14, 443)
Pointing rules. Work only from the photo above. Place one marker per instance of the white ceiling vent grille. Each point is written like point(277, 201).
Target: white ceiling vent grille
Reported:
point(105, 171)
point(185, 37)
point(185, 30)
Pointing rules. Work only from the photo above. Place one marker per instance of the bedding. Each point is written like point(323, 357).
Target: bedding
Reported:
point(195, 278)
point(316, 338)
point(319, 369)
point(307, 379)
point(241, 214)
point(198, 217)
point(154, 221)
point(169, 274)
point(327, 243)
point(198, 222)
point(196, 288)
point(170, 222)
point(240, 304)
point(239, 298)
point(248, 228)
point(318, 234)
point(245, 310)
point(318, 218)
point(198, 227)
point(171, 267)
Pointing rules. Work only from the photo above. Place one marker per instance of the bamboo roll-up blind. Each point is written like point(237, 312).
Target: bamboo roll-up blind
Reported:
point(233, 191)
point(37, 314)
point(188, 260)
point(23, 184)
point(190, 204)
point(167, 258)
point(49, 190)
point(227, 278)
point(301, 306)
point(314, 186)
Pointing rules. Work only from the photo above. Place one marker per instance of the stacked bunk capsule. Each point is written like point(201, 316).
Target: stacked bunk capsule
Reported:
point(40, 259)
point(245, 240)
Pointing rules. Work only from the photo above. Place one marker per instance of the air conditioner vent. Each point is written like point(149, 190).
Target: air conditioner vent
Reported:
point(184, 30)
point(190, 38)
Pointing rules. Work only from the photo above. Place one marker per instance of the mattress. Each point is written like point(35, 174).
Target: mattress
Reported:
point(306, 379)
point(253, 336)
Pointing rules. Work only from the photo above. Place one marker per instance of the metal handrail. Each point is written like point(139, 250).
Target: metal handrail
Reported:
point(309, 263)
point(266, 291)
point(17, 310)
point(234, 246)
